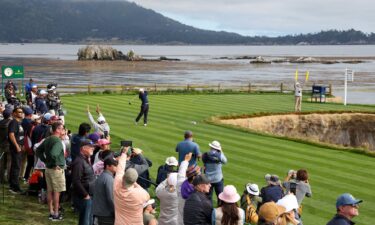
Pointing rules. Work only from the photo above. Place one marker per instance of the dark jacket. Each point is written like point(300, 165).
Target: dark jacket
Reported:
point(53, 101)
point(163, 172)
point(141, 167)
point(4, 143)
point(41, 105)
point(83, 177)
point(75, 145)
point(340, 220)
point(271, 193)
point(143, 178)
point(143, 97)
point(40, 131)
point(198, 209)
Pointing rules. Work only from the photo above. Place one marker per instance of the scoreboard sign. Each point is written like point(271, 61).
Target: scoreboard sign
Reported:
point(12, 72)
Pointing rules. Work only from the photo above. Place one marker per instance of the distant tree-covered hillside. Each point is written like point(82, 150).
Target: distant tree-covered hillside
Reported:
point(72, 21)
point(124, 22)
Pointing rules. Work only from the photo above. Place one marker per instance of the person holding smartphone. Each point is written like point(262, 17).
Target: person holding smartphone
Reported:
point(300, 187)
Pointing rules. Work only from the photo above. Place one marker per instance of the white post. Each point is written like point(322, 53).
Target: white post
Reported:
point(352, 75)
point(345, 85)
point(347, 74)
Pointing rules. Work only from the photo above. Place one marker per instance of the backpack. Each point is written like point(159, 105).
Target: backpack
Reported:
point(27, 143)
point(251, 215)
point(162, 174)
point(35, 182)
point(39, 163)
point(211, 157)
point(144, 178)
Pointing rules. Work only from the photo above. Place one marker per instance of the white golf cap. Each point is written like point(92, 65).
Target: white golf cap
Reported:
point(101, 119)
point(215, 145)
point(149, 202)
point(171, 161)
point(252, 189)
point(141, 90)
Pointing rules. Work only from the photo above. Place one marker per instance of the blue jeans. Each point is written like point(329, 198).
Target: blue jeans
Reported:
point(219, 187)
point(84, 208)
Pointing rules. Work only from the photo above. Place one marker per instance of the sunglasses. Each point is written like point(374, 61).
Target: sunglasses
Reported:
point(353, 205)
point(19, 111)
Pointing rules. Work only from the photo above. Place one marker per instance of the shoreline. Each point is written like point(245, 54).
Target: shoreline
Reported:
point(224, 72)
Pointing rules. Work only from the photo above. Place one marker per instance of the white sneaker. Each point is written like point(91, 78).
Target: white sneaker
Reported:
point(145, 124)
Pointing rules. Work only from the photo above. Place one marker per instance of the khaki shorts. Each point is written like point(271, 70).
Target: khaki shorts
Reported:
point(55, 179)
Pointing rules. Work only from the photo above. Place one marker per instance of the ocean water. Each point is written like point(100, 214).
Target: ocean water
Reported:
point(69, 52)
point(361, 90)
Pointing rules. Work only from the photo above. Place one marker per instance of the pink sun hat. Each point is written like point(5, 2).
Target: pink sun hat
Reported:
point(229, 195)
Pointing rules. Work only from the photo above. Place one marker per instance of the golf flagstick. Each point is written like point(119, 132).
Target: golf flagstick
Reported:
point(307, 76)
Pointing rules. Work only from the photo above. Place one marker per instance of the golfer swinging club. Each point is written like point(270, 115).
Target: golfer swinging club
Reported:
point(144, 107)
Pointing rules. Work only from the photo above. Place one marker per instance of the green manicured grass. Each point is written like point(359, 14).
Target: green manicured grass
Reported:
point(250, 156)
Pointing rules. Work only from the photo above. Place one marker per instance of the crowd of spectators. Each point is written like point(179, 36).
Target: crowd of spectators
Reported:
point(105, 187)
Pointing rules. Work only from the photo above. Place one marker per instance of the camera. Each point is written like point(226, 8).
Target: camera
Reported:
point(293, 187)
point(106, 134)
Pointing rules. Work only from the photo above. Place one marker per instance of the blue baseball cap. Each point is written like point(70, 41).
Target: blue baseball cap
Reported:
point(346, 199)
point(27, 111)
point(7, 113)
point(47, 116)
point(87, 142)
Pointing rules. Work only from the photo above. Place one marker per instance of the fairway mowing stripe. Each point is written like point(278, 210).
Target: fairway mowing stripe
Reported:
point(181, 110)
point(244, 149)
point(342, 182)
point(250, 156)
point(306, 161)
point(287, 158)
point(298, 147)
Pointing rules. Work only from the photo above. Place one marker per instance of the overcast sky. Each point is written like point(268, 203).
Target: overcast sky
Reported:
point(269, 17)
